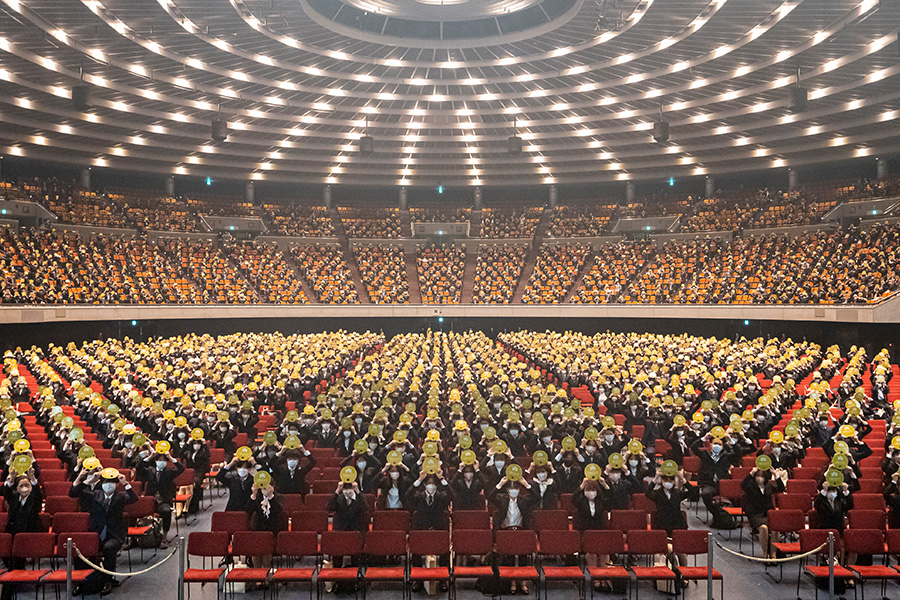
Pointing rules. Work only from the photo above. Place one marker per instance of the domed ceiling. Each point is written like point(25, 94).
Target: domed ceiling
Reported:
point(439, 86)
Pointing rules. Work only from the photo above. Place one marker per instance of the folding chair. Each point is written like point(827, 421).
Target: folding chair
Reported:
point(648, 543)
point(184, 494)
point(30, 546)
point(514, 543)
point(471, 543)
point(294, 546)
point(605, 542)
point(429, 543)
point(867, 519)
point(800, 502)
point(250, 543)
point(206, 545)
point(869, 541)
point(732, 490)
point(377, 550)
point(88, 543)
point(869, 502)
point(810, 539)
point(567, 545)
point(785, 522)
point(694, 542)
point(340, 544)
point(291, 503)
point(143, 508)
point(55, 504)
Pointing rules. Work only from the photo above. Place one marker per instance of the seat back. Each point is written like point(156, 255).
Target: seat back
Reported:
point(429, 543)
point(515, 542)
point(297, 544)
point(390, 520)
point(230, 522)
point(34, 545)
point(556, 520)
point(342, 543)
point(643, 541)
point(208, 543)
point(386, 543)
point(603, 541)
point(785, 521)
point(559, 542)
point(864, 541)
point(690, 541)
point(794, 502)
point(144, 507)
point(304, 520)
point(868, 502)
point(867, 519)
point(471, 519)
point(64, 522)
point(253, 543)
point(472, 542)
point(810, 539)
point(88, 542)
point(627, 520)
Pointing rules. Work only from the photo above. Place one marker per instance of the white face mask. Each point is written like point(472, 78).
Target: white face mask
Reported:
point(161, 464)
point(346, 434)
point(292, 463)
point(633, 463)
point(469, 476)
point(395, 475)
point(242, 472)
point(668, 485)
point(349, 494)
point(542, 476)
point(716, 449)
point(615, 477)
point(197, 447)
point(547, 441)
point(514, 432)
point(361, 465)
point(832, 495)
point(499, 463)
point(431, 488)
point(108, 488)
point(325, 427)
point(590, 494)
point(513, 493)
point(608, 438)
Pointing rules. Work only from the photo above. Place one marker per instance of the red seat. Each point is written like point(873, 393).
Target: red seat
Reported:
point(340, 543)
point(868, 542)
point(472, 543)
point(88, 543)
point(429, 543)
point(390, 520)
point(379, 547)
point(802, 486)
point(786, 521)
point(295, 546)
point(627, 520)
point(605, 542)
point(810, 539)
point(316, 502)
point(648, 543)
point(30, 546)
point(694, 542)
point(143, 508)
point(206, 545)
point(794, 502)
point(556, 520)
point(66, 522)
point(471, 519)
point(562, 543)
point(56, 504)
point(869, 502)
point(516, 542)
point(250, 543)
point(291, 503)
point(867, 519)
point(56, 488)
point(304, 520)
point(230, 522)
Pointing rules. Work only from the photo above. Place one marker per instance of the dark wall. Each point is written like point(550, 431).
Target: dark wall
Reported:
point(872, 336)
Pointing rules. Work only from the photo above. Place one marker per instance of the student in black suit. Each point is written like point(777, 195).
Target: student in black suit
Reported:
point(159, 482)
point(514, 503)
point(393, 486)
point(759, 498)
point(467, 488)
point(105, 507)
point(197, 457)
point(24, 498)
point(428, 500)
point(266, 510)
point(590, 513)
point(668, 493)
point(237, 477)
point(832, 505)
point(349, 507)
point(715, 465)
point(290, 477)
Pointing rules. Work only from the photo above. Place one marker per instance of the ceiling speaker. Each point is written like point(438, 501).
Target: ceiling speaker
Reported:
point(514, 145)
point(366, 145)
point(219, 130)
point(81, 97)
point(661, 131)
point(798, 99)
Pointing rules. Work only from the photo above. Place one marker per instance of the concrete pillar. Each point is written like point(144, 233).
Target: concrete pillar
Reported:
point(881, 168)
point(403, 199)
point(326, 196)
point(554, 195)
point(792, 179)
point(710, 186)
point(249, 192)
point(170, 185)
point(86, 178)
point(478, 198)
point(629, 192)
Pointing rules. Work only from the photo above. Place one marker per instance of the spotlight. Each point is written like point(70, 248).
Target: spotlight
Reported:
point(219, 130)
point(798, 99)
point(81, 97)
point(366, 145)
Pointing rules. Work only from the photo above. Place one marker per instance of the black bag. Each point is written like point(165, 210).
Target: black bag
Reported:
point(152, 536)
point(720, 517)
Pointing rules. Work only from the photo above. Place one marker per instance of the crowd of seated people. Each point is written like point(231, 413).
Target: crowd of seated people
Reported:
point(222, 205)
point(863, 188)
point(383, 272)
point(440, 214)
point(219, 281)
point(497, 459)
point(145, 209)
point(555, 272)
point(498, 268)
point(441, 269)
point(326, 272)
point(615, 266)
point(784, 209)
point(50, 267)
point(671, 271)
point(510, 222)
point(722, 212)
point(372, 222)
point(581, 219)
point(264, 266)
point(303, 221)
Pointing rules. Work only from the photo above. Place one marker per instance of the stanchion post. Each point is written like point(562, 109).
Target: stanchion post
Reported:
point(68, 567)
point(830, 566)
point(709, 569)
point(181, 567)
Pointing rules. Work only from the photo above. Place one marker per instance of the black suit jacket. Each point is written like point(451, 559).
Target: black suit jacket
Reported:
point(23, 517)
point(425, 516)
point(102, 515)
point(352, 516)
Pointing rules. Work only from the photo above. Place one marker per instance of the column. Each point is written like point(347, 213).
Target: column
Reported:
point(477, 198)
point(86, 178)
point(629, 192)
point(792, 179)
point(326, 196)
point(554, 194)
point(170, 186)
point(881, 168)
point(402, 199)
point(249, 192)
point(710, 186)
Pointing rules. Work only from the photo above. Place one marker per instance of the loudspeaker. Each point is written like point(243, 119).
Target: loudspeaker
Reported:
point(798, 99)
point(81, 97)
point(219, 130)
point(514, 145)
point(661, 131)
point(366, 145)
